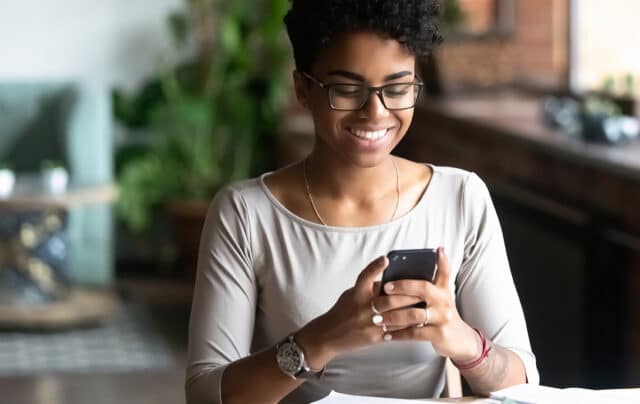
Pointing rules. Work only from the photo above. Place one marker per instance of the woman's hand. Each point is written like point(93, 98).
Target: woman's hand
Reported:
point(440, 323)
point(349, 324)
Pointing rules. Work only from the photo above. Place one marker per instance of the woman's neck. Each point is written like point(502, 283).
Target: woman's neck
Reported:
point(337, 179)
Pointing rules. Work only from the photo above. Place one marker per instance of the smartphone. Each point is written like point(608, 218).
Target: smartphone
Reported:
point(419, 264)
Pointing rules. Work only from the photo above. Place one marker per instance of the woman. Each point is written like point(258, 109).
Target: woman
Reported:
point(287, 304)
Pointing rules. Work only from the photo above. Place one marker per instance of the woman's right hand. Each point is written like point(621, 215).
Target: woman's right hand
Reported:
point(349, 324)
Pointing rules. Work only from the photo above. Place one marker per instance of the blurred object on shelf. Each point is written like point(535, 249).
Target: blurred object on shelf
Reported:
point(621, 92)
point(38, 287)
point(7, 181)
point(595, 118)
point(562, 113)
point(55, 177)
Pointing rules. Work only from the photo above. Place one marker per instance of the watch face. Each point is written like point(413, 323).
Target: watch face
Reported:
point(289, 358)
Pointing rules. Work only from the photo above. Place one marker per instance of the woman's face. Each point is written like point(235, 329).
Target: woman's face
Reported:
point(364, 137)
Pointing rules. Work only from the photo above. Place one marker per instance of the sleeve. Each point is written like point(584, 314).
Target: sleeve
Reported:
point(223, 310)
point(485, 292)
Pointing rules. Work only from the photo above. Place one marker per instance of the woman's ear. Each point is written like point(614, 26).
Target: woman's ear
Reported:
point(301, 88)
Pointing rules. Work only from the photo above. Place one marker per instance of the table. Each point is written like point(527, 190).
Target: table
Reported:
point(535, 394)
point(36, 290)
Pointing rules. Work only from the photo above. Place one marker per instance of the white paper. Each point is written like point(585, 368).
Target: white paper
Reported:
point(339, 398)
point(531, 394)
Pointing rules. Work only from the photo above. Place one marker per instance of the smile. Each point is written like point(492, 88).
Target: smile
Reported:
point(369, 135)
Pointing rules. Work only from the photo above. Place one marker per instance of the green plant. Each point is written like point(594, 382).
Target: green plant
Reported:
point(453, 16)
point(597, 106)
point(629, 84)
point(625, 86)
point(211, 116)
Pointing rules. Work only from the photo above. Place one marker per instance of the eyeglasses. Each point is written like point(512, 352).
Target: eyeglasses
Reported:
point(352, 97)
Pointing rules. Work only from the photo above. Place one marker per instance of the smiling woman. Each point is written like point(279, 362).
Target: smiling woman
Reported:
point(297, 253)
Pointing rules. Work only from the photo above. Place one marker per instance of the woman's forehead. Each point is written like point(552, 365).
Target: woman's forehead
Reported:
point(365, 53)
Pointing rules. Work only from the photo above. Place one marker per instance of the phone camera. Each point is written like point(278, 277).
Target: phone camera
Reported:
point(394, 258)
point(404, 257)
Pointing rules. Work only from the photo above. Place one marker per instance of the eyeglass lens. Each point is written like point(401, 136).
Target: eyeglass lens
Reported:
point(353, 97)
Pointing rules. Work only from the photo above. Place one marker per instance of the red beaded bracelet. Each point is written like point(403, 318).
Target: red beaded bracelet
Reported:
point(486, 348)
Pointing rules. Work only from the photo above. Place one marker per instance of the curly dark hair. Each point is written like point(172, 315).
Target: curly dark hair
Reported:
point(313, 24)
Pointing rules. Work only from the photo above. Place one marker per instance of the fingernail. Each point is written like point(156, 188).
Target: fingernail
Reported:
point(381, 259)
point(389, 287)
point(387, 337)
point(377, 319)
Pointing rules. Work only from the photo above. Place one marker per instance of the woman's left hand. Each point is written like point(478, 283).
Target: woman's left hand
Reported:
point(440, 323)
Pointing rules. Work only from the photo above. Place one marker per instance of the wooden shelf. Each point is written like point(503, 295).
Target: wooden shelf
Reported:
point(81, 307)
point(30, 197)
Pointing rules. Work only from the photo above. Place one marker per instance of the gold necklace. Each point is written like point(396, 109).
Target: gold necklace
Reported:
point(313, 204)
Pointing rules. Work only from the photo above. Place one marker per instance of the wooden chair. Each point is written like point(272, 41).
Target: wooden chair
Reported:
point(453, 381)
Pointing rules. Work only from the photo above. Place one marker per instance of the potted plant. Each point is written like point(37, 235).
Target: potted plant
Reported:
point(7, 180)
point(210, 117)
point(621, 93)
point(603, 121)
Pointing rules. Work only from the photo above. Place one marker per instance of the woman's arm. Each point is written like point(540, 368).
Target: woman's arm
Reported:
point(485, 299)
point(501, 369)
point(348, 325)
point(256, 379)
point(451, 337)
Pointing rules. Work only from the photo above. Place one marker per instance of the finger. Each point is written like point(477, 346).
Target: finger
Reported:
point(409, 317)
point(424, 290)
point(388, 303)
point(427, 333)
point(377, 287)
point(364, 283)
point(444, 270)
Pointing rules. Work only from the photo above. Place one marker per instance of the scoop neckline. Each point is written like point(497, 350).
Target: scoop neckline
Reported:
point(348, 229)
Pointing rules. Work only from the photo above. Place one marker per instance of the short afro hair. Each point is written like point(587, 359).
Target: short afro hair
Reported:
point(313, 24)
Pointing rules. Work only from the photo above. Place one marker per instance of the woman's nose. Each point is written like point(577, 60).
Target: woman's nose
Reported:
point(375, 106)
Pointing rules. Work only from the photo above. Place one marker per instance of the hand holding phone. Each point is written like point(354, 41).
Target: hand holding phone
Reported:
point(418, 264)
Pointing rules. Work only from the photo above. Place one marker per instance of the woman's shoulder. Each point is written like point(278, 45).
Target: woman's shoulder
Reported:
point(262, 192)
point(241, 195)
point(454, 174)
point(463, 185)
point(454, 178)
point(243, 189)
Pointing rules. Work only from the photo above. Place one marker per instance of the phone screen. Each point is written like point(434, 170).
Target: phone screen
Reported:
point(411, 264)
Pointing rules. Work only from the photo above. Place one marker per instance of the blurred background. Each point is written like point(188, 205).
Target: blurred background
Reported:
point(120, 119)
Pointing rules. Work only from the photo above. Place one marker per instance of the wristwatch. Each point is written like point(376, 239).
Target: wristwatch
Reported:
point(292, 362)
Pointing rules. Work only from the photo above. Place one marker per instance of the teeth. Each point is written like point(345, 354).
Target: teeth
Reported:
point(369, 135)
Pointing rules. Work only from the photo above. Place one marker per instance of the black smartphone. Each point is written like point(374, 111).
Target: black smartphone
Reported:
point(411, 264)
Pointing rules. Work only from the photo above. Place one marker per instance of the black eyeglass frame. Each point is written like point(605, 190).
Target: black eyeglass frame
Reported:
point(378, 90)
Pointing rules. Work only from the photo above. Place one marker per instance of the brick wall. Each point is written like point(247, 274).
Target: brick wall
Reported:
point(535, 52)
point(541, 45)
point(480, 15)
point(478, 63)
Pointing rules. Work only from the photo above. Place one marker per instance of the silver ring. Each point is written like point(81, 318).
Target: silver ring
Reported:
point(384, 328)
point(373, 308)
point(426, 318)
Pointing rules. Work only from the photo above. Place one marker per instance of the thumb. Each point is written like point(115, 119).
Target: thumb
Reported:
point(444, 270)
point(366, 279)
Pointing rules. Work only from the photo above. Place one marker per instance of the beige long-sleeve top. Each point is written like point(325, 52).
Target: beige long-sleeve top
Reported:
point(264, 273)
